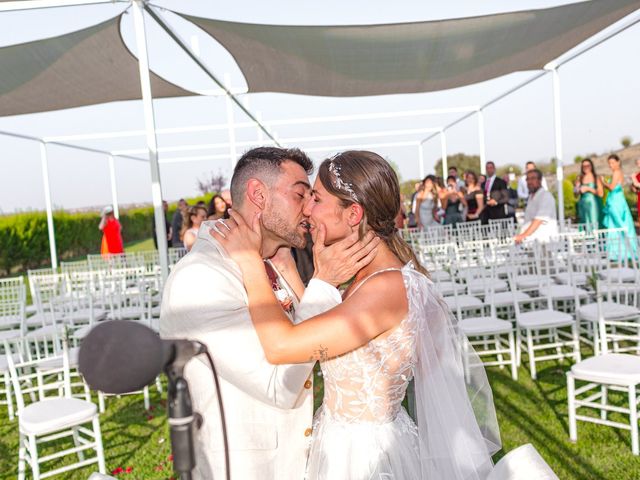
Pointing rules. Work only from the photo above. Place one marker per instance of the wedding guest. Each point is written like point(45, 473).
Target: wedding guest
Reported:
point(635, 187)
point(427, 204)
point(167, 225)
point(218, 208)
point(474, 197)
point(453, 172)
point(495, 192)
point(540, 217)
point(176, 223)
point(617, 214)
point(412, 221)
point(193, 218)
point(523, 191)
point(111, 232)
point(591, 190)
point(453, 201)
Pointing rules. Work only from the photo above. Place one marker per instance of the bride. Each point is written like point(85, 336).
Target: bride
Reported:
point(392, 326)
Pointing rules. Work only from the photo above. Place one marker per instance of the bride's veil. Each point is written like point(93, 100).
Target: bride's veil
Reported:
point(457, 424)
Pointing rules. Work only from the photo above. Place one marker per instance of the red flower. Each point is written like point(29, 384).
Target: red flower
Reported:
point(129, 470)
point(170, 458)
point(159, 468)
point(149, 418)
point(117, 471)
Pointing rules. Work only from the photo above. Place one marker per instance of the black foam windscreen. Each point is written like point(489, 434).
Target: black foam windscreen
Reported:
point(121, 356)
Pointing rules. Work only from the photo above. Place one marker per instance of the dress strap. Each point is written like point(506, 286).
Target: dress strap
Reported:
point(371, 275)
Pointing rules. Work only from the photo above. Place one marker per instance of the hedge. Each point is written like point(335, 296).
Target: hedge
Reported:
point(24, 237)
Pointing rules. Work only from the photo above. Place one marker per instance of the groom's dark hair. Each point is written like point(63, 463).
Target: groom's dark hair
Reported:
point(264, 163)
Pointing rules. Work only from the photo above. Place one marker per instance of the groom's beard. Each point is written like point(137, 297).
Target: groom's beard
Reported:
point(292, 235)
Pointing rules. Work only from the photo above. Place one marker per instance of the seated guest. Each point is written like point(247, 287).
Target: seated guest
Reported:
point(541, 221)
point(523, 191)
point(496, 194)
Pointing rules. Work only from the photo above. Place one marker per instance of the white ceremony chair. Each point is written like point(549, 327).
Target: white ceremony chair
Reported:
point(544, 333)
point(52, 418)
point(604, 372)
point(522, 463)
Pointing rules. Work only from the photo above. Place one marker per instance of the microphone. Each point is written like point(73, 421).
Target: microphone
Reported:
point(121, 356)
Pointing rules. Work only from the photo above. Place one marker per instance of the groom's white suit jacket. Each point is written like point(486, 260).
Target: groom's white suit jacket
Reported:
point(268, 408)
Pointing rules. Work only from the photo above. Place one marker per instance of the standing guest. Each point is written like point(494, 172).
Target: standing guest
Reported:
point(512, 203)
point(401, 217)
point(218, 208)
point(495, 192)
point(412, 221)
point(111, 232)
point(474, 197)
point(176, 223)
point(427, 203)
point(481, 179)
point(617, 213)
point(453, 201)
point(226, 196)
point(191, 224)
point(167, 225)
point(523, 191)
point(541, 221)
point(591, 190)
point(453, 172)
point(635, 187)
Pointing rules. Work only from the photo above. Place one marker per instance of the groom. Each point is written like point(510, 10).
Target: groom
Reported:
point(268, 408)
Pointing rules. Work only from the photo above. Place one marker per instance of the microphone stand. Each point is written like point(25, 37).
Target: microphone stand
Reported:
point(181, 419)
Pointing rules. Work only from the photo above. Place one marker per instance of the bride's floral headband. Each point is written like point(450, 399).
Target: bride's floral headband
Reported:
point(338, 183)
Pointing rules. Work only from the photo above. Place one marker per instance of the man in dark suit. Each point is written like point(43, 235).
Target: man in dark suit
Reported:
point(496, 195)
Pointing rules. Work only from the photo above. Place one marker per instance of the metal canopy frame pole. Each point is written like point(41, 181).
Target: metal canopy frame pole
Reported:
point(557, 117)
point(230, 122)
point(420, 161)
point(114, 187)
point(13, 6)
point(149, 120)
point(443, 148)
point(483, 152)
point(47, 200)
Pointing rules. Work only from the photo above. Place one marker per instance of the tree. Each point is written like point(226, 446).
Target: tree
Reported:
point(625, 141)
point(461, 161)
point(395, 167)
point(212, 184)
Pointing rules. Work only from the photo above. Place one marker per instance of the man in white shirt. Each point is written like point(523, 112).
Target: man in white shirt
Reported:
point(540, 216)
point(268, 408)
point(523, 190)
point(453, 172)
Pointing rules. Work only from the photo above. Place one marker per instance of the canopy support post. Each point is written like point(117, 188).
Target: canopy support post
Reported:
point(443, 148)
point(114, 187)
point(149, 120)
point(47, 200)
point(483, 153)
point(557, 115)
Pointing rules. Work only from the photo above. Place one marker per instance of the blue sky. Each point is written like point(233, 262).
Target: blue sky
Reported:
point(600, 102)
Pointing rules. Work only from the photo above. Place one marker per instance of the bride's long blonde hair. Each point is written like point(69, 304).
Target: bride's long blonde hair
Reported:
point(367, 179)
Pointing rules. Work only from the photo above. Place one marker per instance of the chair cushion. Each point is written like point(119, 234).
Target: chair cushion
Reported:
point(611, 311)
point(43, 332)
point(502, 299)
point(440, 275)
point(10, 334)
point(615, 368)
point(574, 278)
point(544, 319)
point(478, 288)
point(54, 414)
point(465, 301)
point(563, 292)
point(447, 288)
point(620, 274)
point(56, 362)
point(529, 281)
point(484, 326)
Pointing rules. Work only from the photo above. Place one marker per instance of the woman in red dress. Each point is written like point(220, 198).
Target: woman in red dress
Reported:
point(111, 233)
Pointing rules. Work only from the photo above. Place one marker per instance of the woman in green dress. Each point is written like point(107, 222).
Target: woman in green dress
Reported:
point(591, 190)
point(618, 215)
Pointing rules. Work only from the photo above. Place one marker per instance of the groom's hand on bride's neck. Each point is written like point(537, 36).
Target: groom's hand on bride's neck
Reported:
point(338, 263)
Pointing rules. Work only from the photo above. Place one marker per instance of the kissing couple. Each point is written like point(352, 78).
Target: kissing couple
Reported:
point(238, 291)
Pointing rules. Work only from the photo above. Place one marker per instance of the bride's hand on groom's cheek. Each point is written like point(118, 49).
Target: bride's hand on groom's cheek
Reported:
point(240, 240)
point(337, 263)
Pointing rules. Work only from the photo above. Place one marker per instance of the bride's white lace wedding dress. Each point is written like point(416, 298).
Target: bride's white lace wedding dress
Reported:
point(363, 432)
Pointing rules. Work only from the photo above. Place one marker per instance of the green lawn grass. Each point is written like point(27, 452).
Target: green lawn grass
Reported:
point(528, 412)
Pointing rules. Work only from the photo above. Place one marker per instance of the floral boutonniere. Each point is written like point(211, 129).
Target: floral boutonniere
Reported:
point(283, 296)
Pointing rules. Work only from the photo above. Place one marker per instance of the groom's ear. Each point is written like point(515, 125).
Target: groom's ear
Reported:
point(257, 193)
point(355, 212)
